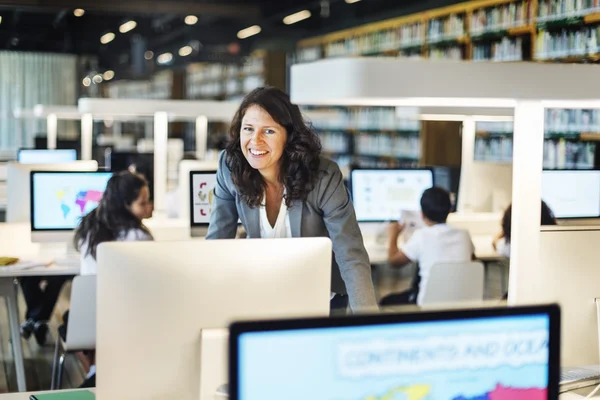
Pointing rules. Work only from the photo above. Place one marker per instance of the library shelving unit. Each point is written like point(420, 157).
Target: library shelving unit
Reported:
point(566, 31)
point(520, 88)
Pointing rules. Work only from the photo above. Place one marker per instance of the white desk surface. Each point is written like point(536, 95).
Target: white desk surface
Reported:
point(25, 396)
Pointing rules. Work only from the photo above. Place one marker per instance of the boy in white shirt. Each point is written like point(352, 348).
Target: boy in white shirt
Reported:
point(436, 243)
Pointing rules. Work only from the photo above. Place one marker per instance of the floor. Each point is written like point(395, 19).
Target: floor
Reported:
point(38, 360)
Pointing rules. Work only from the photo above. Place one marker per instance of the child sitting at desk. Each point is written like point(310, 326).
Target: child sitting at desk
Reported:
point(434, 244)
point(501, 242)
point(118, 217)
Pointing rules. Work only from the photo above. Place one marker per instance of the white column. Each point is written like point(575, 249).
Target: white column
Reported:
point(161, 135)
point(528, 152)
point(87, 130)
point(52, 131)
point(201, 137)
point(466, 167)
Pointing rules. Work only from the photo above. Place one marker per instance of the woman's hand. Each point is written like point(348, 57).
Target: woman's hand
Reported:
point(395, 229)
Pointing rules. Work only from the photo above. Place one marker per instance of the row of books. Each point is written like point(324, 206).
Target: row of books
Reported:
point(572, 121)
point(549, 10)
point(563, 154)
point(499, 127)
point(566, 43)
point(493, 149)
point(365, 118)
point(450, 27)
point(382, 144)
point(506, 49)
point(335, 142)
point(501, 17)
point(446, 53)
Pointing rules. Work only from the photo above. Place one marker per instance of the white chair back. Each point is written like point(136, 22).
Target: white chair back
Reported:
point(454, 282)
point(81, 327)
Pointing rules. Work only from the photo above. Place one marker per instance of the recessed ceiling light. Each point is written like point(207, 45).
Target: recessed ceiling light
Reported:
point(148, 55)
point(127, 26)
point(250, 31)
point(352, 1)
point(107, 38)
point(108, 75)
point(191, 20)
point(297, 17)
point(78, 12)
point(164, 58)
point(97, 78)
point(87, 81)
point(185, 51)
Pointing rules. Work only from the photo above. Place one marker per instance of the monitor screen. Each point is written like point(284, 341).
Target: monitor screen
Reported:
point(38, 156)
point(202, 184)
point(381, 194)
point(572, 193)
point(60, 199)
point(496, 357)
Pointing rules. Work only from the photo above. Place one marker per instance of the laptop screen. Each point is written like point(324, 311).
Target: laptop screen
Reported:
point(495, 357)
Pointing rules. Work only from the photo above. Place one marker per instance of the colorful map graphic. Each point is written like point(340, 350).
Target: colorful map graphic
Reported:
point(507, 393)
point(413, 392)
point(80, 200)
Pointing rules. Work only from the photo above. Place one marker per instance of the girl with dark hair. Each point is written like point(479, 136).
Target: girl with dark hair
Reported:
point(501, 242)
point(118, 217)
point(272, 176)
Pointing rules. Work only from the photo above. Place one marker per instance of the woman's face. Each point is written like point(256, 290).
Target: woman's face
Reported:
point(140, 206)
point(263, 141)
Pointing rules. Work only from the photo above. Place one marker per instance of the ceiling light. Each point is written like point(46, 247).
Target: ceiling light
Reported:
point(87, 81)
point(148, 55)
point(97, 78)
point(108, 75)
point(296, 17)
point(78, 12)
point(127, 26)
point(352, 1)
point(185, 51)
point(107, 38)
point(164, 58)
point(191, 20)
point(251, 31)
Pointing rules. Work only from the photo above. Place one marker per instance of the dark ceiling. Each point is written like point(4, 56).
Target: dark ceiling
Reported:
point(51, 26)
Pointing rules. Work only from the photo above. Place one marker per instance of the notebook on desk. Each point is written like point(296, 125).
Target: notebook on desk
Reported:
point(572, 378)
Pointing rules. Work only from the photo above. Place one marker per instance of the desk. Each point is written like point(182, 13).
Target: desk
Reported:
point(25, 396)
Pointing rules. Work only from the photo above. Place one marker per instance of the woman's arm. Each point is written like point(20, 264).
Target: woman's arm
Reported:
point(224, 215)
point(348, 247)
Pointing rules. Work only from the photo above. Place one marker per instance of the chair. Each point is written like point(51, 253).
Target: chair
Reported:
point(81, 325)
point(455, 282)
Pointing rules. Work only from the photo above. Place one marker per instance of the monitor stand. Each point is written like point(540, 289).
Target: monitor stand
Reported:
point(198, 231)
point(63, 253)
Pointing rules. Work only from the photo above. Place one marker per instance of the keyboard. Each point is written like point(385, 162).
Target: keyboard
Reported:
point(568, 375)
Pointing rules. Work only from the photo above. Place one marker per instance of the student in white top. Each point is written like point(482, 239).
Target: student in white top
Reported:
point(434, 244)
point(118, 217)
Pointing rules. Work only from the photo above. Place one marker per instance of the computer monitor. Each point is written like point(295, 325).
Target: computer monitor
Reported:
point(183, 184)
point(73, 144)
point(500, 353)
point(142, 163)
point(184, 287)
point(200, 198)
point(380, 195)
point(572, 193)
point(567, 273)
point(39, 156)
point(18, 187)
point(60, 199)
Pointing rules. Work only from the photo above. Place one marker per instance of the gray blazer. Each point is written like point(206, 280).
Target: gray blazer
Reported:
point(327, 212)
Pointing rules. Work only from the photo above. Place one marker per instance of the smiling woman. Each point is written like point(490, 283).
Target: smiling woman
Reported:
point(271, 176)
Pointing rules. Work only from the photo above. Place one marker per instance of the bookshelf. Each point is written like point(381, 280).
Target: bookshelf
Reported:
point(368, 137)
point(490, 30)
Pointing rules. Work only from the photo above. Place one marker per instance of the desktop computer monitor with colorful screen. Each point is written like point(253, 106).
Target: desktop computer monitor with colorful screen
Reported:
point(381, 195)
point(60, 199)
point(498, 354)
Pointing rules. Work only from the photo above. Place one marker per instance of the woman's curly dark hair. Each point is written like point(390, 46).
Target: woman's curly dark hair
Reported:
point(300, 159)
